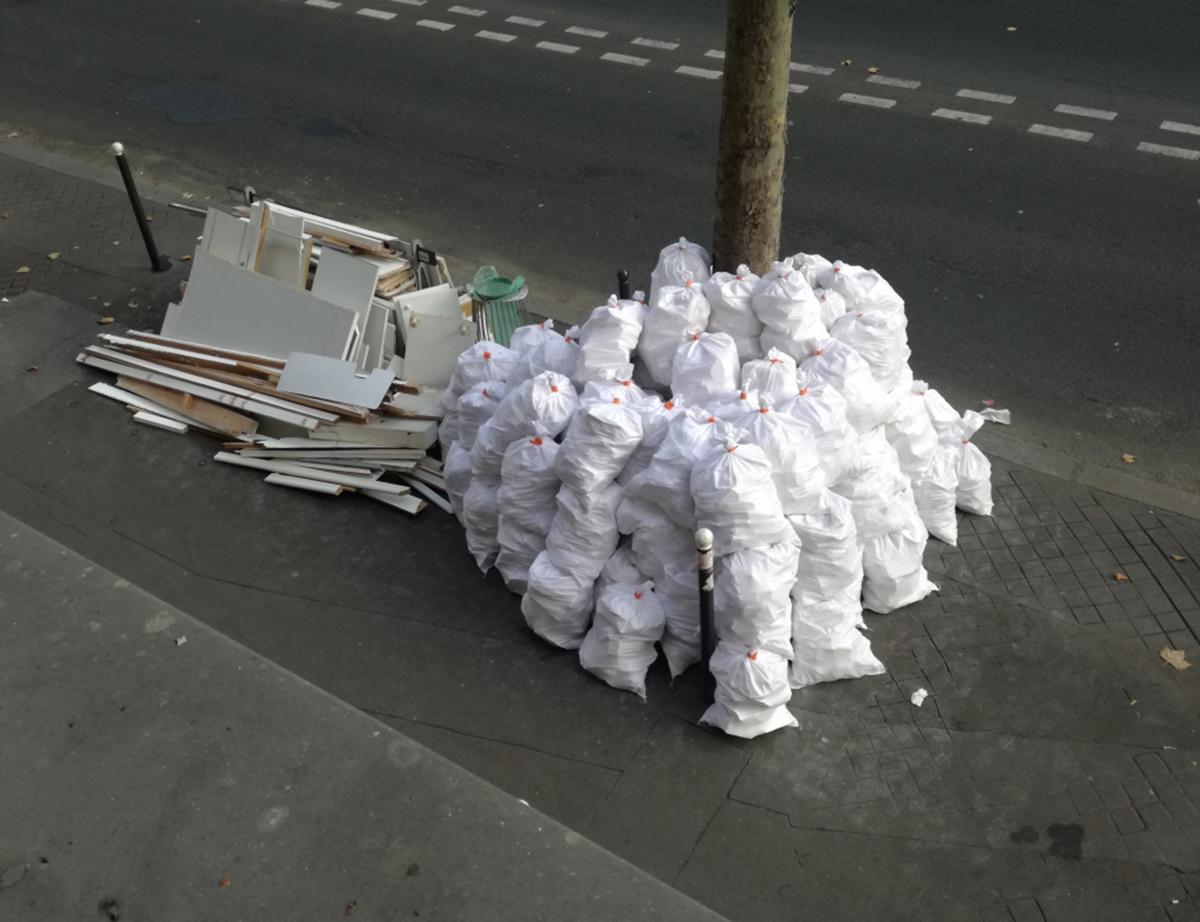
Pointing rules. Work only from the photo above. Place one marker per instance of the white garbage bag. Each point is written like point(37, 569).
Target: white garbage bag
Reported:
point(678, 589)
point(823, 410)
point(833, 362)
point(476, 406)
point(545, 403)
point(974, 470)
point(678, 262)
point(656, 416)
point(945, 419)
point(773, 377)
point(481, 519)
point(812, 266)
point(735, 498)
point(583, 534)
point(559, 354)
point(783, 300)
point(456, 471)
point(666, 482)
point(529, 484)
point(752, 691)
point(677, 311)
point(483, 361)
point(828, 647)
point(735, 409)
point(893, 572)
point(830, 567)
point(863, 289)
point(704, 367)
point(833, 306)
point(872, 483)
point(797, 340)
point(598, 443)
point(791, 450)
point(518, 549)
point(619, 647)
point(527, 338)
point(615, 383)
point(450, 428)
point(935, 492)
point(752, 595)
point(608, 338)
point(910, 431)
point(729, 296)
point(557, 604)
point(620, 569)
point(880, 338)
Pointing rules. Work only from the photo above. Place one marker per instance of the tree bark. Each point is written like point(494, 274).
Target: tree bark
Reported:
point(750, 153)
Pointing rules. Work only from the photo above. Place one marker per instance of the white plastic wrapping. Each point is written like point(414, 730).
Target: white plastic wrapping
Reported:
point(752, 595)
point(678, 262)
point(558, 604)
point(677, 311)
point(704, 367)
point(773, 377)
point(583, 534)
point(608, 338)
point(752, 691)
point(619, 647)
point(598, 443)
point(735, 498)
point(791, 450)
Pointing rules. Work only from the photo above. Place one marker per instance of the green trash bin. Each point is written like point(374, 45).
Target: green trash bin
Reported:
point(498, 304)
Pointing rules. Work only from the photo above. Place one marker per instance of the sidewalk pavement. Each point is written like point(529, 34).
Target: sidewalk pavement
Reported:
point(1052, 774)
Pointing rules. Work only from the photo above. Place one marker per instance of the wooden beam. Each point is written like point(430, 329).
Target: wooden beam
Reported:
point(212, 415)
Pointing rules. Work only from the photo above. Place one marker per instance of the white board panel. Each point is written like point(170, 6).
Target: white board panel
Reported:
point(433, 344)
point(333, 379)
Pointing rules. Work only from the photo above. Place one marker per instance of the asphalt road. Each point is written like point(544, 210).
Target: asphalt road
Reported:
point(1054, 271)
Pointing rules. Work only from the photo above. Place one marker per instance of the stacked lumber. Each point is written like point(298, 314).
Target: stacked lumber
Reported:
point(289, 346)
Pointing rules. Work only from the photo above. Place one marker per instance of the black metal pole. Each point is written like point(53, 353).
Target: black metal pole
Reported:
point(708, 630)
point(157, 262)
point(623, 290)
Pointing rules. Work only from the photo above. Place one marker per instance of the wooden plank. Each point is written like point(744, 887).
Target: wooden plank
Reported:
point(248, 357)
point(434, 480)
point(334, 444)
point(159, 422)
point(165, 368)
point(175, 384)
point(304, 483)
point(432, 495)
point(406, 504)
point(283, 467)
point(235, 308)
point(425, 404)
point(210, 414)
point(391, 432)
point(368, 472)
point(130, 400)
point(431, 464)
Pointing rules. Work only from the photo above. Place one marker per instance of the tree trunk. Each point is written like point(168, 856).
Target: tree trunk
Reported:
point(750, 154)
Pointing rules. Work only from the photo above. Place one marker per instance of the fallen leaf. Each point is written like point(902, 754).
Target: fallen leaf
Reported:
point(21, 269)
point(225, 881)
point(847, 62)
point(1128, 458)
point(1120, 577)
point(186, 259)
point(1011, 29)
point(350, 907)
point(1178, 558)
point(132, 304)
point(32, 368)
point(180, 640)
point(104, 320)
point(53, 256)
point(1175, 658)
point(872, 69)
point(13, 134)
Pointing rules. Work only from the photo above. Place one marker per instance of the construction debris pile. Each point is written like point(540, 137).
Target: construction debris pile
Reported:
point(778, 412)
point(316, 350)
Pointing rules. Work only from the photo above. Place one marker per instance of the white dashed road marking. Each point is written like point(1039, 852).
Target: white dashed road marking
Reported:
point(811, 69)
point(957, 115)
point(987, 97)
point(654, 43)
point(526, 21)
point(894, 81)
point(555, 46)
point(876, 101)
point(1103, 114)
point(1068, 134)
point(375, 14)
point(1181, 127)
point(322, 4)
point(624, 59)
point(495, 36)
point(698, 72)
point(1183, 153)
point(434, 24)
point(796, 88)
point(466, 11)
point(713, 53)
point(590, 33)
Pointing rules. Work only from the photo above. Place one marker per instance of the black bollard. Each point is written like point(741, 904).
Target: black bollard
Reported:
point(623, 289)
point(157, 262)
point(708, 630)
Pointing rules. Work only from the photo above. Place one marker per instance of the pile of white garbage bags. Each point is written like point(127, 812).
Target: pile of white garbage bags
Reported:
point(778, 412)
